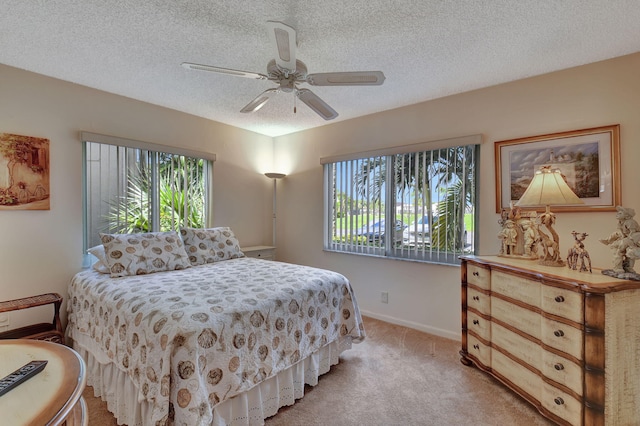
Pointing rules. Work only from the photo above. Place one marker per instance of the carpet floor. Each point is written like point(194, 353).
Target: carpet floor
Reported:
point(397, 376)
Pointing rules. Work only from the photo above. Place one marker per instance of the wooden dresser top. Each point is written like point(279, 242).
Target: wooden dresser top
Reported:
point(560, 276)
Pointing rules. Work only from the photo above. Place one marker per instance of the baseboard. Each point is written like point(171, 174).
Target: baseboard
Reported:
point(431, 330)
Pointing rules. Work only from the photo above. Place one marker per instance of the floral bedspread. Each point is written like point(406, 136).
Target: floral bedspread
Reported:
point(193, 338)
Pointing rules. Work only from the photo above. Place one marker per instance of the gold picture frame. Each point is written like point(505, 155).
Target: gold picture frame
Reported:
point(588, 158)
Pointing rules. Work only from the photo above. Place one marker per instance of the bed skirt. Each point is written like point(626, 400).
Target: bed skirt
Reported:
point(249, 408)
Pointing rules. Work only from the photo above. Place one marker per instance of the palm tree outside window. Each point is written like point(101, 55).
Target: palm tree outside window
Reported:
point(418, 205)
point(144, 188)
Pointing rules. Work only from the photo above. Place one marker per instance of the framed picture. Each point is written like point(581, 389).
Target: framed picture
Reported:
point(24, 172)
point(589, 159)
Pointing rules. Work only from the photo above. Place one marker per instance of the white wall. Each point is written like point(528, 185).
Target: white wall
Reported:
point(427, 296)
point(41, 250)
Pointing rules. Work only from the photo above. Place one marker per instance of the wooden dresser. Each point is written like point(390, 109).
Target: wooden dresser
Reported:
point(566, 341)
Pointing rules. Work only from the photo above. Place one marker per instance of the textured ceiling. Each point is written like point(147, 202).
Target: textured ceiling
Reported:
point(426, 48)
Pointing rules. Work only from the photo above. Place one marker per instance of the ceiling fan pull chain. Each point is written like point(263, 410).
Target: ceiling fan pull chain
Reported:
point(295, 99)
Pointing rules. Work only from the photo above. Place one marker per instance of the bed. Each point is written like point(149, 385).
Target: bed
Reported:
point(225, 341)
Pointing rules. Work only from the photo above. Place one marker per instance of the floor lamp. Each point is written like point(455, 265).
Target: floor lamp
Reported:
point(275, 177)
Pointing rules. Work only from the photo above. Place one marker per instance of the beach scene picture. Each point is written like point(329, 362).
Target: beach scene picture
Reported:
point(579, 163)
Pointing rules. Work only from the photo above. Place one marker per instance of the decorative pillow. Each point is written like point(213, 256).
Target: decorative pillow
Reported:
point(99, 265)
point(138, 254)
point(210, 245)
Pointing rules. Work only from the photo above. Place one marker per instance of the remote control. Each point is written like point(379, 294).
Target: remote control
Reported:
point(22, 374)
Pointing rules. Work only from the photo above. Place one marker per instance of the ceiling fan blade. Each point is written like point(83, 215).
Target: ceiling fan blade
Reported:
point(283, 38)
point(228, 71)
point(259, 101)
point(315, 103)
point(356, 78)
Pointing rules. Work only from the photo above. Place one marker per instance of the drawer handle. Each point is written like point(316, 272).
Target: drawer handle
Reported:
point(559, 299)
point(559, 366)
point(476, 322)
point(476, 298)
point(476, 274)
point(558, 401)
point(476, 347)
point(558, 333)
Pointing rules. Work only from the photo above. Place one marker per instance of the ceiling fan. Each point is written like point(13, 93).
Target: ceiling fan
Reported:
point(288, 72)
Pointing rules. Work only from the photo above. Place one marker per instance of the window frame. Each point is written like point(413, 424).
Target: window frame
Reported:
point(390, 249)
point(154, 152)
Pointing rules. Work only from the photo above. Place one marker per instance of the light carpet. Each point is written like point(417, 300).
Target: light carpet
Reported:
point(397, 376)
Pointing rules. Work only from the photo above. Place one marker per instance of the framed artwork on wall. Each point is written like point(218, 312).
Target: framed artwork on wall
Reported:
point(589, 159)
point(24, 172)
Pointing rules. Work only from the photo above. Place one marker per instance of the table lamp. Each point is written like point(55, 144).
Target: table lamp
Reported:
point(548, 188)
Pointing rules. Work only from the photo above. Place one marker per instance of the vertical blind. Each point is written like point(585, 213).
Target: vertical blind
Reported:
point(132, 189)
point(418, 205)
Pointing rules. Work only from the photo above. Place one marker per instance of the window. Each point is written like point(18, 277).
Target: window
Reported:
point(133, 186)
point(406, 202)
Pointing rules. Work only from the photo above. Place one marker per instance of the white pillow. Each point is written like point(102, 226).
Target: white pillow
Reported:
point(139, 254)
point(99, 265)
point(210, 245)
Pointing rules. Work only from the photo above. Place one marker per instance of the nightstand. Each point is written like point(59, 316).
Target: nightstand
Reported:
point(260, 252)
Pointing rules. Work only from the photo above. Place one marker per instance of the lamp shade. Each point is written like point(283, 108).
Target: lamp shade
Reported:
point(275, 175)
point(548, 188)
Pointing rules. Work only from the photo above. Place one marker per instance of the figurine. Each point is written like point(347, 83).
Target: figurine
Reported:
point(579, 253)
point(530, 239)
point(551, 252)
point(625, 243)
point(509, 236)
point(519, 234)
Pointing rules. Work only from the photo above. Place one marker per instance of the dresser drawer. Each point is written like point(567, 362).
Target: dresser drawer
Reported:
point(479, 276)
point(562, 371)
point(516, 345)
point(516, 287)
point(563, 337)
point(479, 301)
point(562, 302)
point(561, 404)
point(516, 316)
point(522, 377)
point(479, 325)
point(478, 350)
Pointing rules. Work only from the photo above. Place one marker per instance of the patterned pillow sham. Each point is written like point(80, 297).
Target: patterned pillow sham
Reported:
point(99, 265)
point(210, 245)
point(139, 254)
